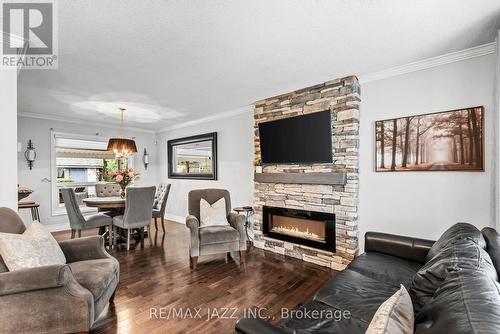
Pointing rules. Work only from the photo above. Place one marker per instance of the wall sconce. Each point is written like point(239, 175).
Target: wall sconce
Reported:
point(145, 159)
point(30, 154)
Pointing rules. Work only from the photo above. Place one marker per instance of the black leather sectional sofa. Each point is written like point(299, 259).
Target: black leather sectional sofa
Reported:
point(453, 284)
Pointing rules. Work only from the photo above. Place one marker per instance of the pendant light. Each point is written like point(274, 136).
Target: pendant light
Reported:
point(122, 147)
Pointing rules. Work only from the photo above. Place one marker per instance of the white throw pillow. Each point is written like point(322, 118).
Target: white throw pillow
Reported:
point(213, 215)
point(36, 247)
point(394, 316)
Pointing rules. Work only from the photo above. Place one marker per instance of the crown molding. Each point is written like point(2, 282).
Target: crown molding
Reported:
point(76, 121)
point(447, 58)
point(227, 114)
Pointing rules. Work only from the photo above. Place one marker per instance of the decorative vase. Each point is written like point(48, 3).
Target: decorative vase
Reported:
point(122, 195)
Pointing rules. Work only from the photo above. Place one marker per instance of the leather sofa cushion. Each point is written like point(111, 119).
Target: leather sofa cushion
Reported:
point(95, 275)
point(386, 268)
point(468, 301)
point(493, 246)
point(360, 294)
point(296, 323)
point(218, 234)
point(394, 316)
point(456, 232)
point(462, 254)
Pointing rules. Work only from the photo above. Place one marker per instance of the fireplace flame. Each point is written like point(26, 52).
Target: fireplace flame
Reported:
point(294, 231)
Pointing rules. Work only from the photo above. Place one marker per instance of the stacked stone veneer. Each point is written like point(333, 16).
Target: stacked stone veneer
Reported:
point(342, 98)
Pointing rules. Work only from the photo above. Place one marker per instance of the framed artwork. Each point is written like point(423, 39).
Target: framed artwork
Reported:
point(443, 141)
point(193, 157)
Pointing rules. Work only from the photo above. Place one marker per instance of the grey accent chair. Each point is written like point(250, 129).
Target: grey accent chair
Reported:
point(78, 222)
point(107, 189)
point(58, 298)
point(160, 204)
point(214, 239)
point(138, 203)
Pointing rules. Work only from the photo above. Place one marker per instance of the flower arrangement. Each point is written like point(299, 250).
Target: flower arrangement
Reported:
point(123, 178)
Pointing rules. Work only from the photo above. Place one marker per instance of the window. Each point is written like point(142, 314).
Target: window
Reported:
point(79, 162)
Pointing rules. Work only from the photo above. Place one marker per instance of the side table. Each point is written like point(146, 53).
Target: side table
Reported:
point(247, 211)
point(33, 206)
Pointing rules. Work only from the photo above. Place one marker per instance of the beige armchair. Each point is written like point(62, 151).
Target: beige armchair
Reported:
point(214, 239)
point(58, 298)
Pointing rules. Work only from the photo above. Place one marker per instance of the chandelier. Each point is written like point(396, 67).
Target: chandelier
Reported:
point(122, 147)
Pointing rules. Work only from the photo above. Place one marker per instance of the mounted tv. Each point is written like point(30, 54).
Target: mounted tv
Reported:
point(300, 139)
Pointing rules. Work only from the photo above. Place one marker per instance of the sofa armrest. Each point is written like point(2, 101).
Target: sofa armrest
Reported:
point(194, 225)
point(46, 298)
point(256, 326)
point(31, 279)
point(237, 222)
point(82, 249)
point(192, 222)
point(408, 248)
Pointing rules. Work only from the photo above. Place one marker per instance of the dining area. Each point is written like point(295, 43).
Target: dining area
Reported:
point(124, 213)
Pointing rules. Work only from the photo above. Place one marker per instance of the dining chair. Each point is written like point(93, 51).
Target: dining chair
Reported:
point(107, 189)
point(160, 203)
point(138, 203)
point(78, 222)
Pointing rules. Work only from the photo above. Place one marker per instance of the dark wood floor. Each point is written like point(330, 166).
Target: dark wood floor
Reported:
point(158, 276)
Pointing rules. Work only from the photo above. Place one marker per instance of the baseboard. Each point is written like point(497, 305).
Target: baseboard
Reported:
point(175, 218)
point(65, 226)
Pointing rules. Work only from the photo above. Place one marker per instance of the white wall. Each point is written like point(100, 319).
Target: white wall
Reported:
point(496, 127)
point(235, 162)
point(8, 135)
point(39, 131)
point(424, 204)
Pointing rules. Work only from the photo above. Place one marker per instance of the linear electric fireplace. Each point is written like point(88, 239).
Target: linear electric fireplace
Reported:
point(309, 228)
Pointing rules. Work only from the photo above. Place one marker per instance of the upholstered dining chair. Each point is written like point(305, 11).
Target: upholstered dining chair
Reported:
point(138, 203)
point(107, 189)
point(160, 203)
point(214, 239)
point(78, 222)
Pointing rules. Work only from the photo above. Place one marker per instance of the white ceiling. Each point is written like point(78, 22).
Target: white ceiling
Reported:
point(170, 62)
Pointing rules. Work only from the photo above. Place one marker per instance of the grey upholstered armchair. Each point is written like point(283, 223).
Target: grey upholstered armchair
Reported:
point(214, 239)
point(58, 298)
point(160, 203)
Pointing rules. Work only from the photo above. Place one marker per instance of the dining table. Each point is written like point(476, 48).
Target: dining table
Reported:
point(111, 202)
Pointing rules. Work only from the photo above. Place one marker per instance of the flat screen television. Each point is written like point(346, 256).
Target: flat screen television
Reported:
point(300, 139)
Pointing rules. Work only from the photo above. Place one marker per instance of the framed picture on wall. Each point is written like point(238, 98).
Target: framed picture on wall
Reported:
point(442, 141)
point(193, 157)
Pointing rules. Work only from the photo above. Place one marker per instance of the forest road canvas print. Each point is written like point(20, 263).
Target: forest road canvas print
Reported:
point(443, 141)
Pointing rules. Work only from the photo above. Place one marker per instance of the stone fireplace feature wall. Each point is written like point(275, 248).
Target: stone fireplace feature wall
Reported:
point(342, 98)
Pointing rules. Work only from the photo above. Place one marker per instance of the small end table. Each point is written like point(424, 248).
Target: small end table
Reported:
point(33, 206)
point(247, 211)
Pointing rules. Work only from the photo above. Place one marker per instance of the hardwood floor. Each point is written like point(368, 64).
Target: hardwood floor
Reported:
point(157, 278)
